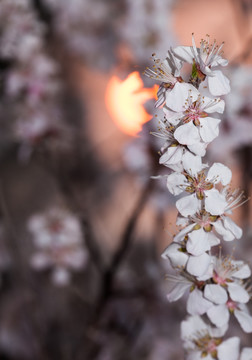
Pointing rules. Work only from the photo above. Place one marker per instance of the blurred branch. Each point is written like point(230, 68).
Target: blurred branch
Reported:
point(119, 255)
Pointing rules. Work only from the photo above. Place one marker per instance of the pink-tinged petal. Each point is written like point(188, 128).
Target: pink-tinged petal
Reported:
point(175, 255)
point(197, 304)
point(197, 242)
point(198, 149)
point(188, 205)
point(246, 354)
point(178, 291)
point(175, 182)
point(213, 105)
point(209, 129)
point(184, 53)
point(176, 98)
point(215, 203)
point(229, 349)
point(218, 83)
point(172, 155)
point(219, 315)
point(187, 134)
point(244, 319)
point(220, 173)
point(198, 265)
point(181, 234)
point(238, 293)
point(192, 163)
point(231, 226)
point(220, 229)
point(215, 293)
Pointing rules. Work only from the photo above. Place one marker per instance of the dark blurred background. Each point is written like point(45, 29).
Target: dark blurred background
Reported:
point(82, 224)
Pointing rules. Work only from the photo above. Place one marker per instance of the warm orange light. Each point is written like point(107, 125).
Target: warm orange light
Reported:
point(125, 99)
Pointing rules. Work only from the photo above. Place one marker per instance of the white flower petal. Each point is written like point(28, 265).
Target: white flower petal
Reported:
point(184, 53)
point(237, 292)
point(198, 149)
point(176, 98)
point(191, 326)
point(177, 290)
point(220, 229)
point(192, 164)
point(211, 106)
point(209, 129)
point(198, 265)
point(188, 205)
point(187, 134)
point(231, 226)
point(244, 319)
point(197, 304)
point(220, 173)
point(175, 182)
point(229, 349)
point(246, 354)
point(215, 202)
point(243, 271)
point(176, 257)
point(218, 83)
point(181, 234)
point(219, 315)
point(172, 155)
point(215, 293)
point(198, 242)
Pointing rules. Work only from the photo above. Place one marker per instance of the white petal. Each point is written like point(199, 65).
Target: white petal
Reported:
point(184, 53)
point(227, 235)
point(243, 271)
point(178, 291)
point(215, 203)
point(181, 234)
point(218, 83)
point(198, 265)
point(209, 129)
point(191, 326)
point(188, 205)
point(175, 182)
point(215, 293)
point(231, 226)
point(197, 304)
point(246, 354)
point(229, 349)
point(238, 293)
point(172, 155)
point(176, 257)
point(187, 134)
point(244, 319)
point(211, 106)
point(198, 242)
point(176, 98)
point(192, 164)
point(198, 149)
point(219, 172)
point(219, 315)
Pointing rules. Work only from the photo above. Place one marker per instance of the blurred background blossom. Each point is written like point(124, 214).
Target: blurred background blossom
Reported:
point(78, 205)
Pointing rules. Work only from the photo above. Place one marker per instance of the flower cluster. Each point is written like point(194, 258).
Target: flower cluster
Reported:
point(217, 286)
point(31, 83)
point(58, 237)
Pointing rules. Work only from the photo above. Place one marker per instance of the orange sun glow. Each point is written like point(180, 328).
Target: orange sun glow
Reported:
point(124, 101)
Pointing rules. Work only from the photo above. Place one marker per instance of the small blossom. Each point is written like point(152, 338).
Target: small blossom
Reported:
point(203, 341)
point(57, 236)
point(205, 59)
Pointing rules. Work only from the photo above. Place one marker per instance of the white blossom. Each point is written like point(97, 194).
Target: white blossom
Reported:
point(206, 59)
